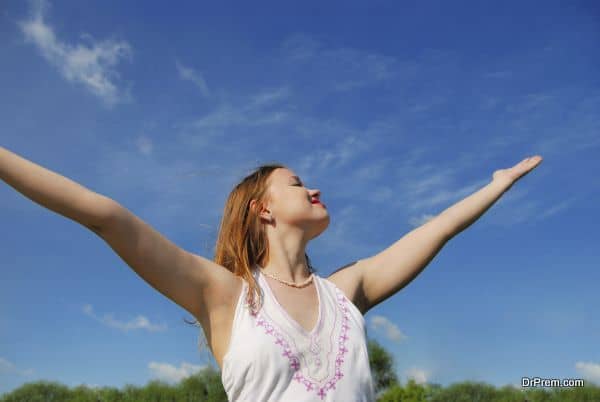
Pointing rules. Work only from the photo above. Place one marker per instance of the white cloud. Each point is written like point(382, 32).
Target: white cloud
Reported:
point(422, 105)
point(554, 209)
point(435, 181)
point(90, 65)
point(269, 96)
point(8, 367)
point(144, 145)
point(139, 322)
point(173, 374)
point(420, 376)
point(226, 116)
point(390, 330)
point(189, 74)
point(421, 220)
point(589, 371)
point(353, 68)
point(249, 113)
point(336, 155)
point(300, 47)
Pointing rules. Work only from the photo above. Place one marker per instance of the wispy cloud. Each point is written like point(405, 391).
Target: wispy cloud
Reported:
point(91, 65)
point(557, 207)
point(389, 329)
point(189, 74)
point(269, 96)
point(420, 376)
point(139, 322)
point(8, 367)
point(144, 145)
point(337, 155)
point(264, 108)
point(300, 47)
point(227, 116)
point(420, 220)
point(346, 68)
point(171, 373)
point(425, 104)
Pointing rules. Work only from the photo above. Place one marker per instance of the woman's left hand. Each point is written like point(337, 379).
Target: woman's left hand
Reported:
point(511, 175)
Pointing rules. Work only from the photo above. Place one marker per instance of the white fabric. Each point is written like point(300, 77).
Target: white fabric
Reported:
point(271, 358)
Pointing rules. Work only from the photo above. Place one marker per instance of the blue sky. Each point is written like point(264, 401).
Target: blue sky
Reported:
point(394, 111)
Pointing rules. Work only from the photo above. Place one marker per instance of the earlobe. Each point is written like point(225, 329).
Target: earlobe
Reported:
point(269, 217)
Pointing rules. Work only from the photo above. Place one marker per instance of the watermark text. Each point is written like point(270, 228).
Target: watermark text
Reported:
point(551, 382)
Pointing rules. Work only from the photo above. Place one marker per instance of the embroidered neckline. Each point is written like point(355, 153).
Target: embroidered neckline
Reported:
point(292, 321)
point(292, 355)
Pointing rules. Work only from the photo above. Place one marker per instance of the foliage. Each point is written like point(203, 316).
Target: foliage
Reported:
point(382, 366)
point(206, 386)
point(41, 391)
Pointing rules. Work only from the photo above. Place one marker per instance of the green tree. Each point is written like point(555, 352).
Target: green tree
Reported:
point(382, 367)
point(539, 395)
point(411, 392)
point(40, 391)
point(214, 387)
point(83, 393)
point(194, 388)
point(466, 391)
point(509, 393)
point(109, 394)
point(157, 390)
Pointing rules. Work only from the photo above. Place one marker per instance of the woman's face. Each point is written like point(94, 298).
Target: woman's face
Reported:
point(291, 203)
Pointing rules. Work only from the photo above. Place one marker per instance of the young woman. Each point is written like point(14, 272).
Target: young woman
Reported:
point(278, 330)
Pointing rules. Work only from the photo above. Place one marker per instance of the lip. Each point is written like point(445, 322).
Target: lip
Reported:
point(318, 202)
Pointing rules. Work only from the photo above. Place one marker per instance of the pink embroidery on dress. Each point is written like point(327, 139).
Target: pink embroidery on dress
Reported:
point(294, 359)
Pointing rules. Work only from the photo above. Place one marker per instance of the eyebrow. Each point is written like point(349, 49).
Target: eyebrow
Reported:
point(295, 177)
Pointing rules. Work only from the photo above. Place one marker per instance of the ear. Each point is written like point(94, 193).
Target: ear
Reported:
point(254, 205)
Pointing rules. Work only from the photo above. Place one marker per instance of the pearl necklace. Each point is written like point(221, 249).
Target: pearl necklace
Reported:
point(301, 285)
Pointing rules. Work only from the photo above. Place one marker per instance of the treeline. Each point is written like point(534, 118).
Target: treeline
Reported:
point(206, 386)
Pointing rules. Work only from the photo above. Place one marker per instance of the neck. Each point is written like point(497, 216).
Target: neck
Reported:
point(286, 256)
point(296, 273)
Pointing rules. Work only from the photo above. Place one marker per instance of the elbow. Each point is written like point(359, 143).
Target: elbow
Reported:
point(101, 209)
point(442, 227)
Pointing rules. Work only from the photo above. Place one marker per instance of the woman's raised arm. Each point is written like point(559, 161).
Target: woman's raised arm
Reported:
point(195, 283)
point(53, 191)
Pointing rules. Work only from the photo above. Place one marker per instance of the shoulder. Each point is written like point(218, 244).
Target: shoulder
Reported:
point(348, 279)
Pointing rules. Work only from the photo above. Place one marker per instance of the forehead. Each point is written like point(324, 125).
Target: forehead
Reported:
point(284, 175)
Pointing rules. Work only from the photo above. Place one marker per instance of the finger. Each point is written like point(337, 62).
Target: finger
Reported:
point(535, 158)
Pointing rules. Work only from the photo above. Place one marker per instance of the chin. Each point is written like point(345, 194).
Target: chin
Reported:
point(321, 228)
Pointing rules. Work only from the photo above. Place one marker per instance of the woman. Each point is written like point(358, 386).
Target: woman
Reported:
point(278, 330)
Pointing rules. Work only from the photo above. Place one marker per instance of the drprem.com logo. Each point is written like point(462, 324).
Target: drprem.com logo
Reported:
point(551, 382)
